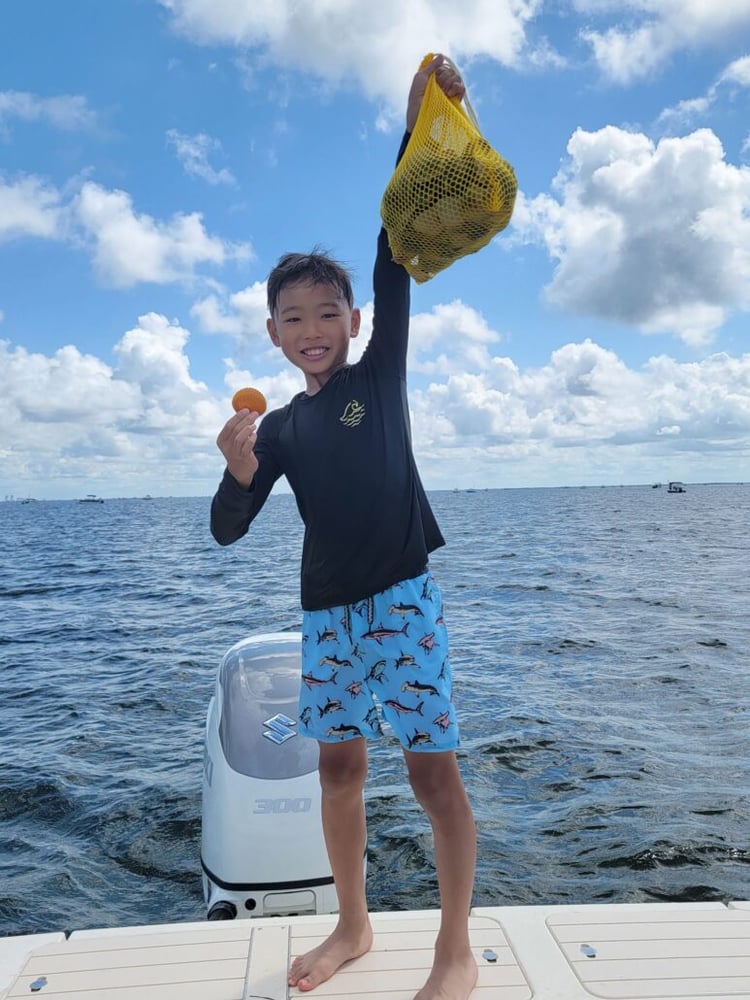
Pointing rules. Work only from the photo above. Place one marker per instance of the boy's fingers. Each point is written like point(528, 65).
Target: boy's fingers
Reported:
point(245, 436)
point(244, 418)
point(241, 425)
point(449, 78)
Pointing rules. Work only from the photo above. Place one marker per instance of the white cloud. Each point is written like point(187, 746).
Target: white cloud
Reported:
point(737, 72)
point(65, 390)
point(685, 112)
point(584, 416)
point(377, 44)
point(648, 32)
point(29, 207)
point(452, 338)
point(242, 315)
point(127, 247)
point(152, 356)
point(656, 236)
point(735, 75)
point(145, 420)
point(193, 152)
point(67, 111)
point(131, 248)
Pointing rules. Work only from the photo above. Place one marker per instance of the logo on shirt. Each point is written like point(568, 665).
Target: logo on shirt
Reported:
point(353, 414)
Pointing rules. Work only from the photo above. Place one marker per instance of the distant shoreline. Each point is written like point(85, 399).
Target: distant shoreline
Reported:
point(10, 499)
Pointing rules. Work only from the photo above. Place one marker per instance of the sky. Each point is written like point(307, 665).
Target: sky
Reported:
point(158, 156)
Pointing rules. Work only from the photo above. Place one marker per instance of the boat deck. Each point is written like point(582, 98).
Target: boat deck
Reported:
point(688, 951)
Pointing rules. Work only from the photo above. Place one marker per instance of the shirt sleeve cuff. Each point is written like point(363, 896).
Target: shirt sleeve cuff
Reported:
point(233, 489)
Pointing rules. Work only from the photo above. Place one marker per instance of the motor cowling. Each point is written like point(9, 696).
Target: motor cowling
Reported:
point(262, 846)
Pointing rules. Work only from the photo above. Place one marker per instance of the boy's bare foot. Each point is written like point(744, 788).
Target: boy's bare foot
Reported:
point(313, 968)
point(450, 979)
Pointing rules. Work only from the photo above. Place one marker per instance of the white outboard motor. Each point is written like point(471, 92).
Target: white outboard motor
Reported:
point(262, 851)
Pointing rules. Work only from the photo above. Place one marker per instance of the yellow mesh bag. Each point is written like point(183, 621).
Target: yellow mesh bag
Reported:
point(450, 193)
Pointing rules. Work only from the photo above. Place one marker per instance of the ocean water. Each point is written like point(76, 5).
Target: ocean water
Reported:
point(600, 644)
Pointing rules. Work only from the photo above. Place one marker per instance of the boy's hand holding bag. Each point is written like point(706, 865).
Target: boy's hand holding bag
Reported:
point(450, 193)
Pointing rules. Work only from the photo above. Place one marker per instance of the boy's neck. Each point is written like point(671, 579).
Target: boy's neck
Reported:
point(314, 383)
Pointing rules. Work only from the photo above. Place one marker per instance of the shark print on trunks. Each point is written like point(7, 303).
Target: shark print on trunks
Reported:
point(383, 658)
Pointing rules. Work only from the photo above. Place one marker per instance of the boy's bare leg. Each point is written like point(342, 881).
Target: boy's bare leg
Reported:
point(439, 789)
point(342, 769)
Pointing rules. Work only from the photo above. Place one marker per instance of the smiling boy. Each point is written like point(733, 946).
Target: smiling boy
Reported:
point(374, 638)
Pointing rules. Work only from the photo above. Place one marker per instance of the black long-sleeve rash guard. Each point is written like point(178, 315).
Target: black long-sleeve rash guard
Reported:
point(347, 455)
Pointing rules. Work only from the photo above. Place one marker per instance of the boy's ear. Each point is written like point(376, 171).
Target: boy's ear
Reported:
point(271, 327)
point(356, 321)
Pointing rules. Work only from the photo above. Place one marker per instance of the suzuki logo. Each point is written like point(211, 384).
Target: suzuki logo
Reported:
point(280, 729)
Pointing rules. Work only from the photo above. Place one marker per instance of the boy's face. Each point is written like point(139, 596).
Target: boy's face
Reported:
point(313, 325)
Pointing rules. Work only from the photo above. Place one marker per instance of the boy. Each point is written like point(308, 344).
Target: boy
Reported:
point(372, 621)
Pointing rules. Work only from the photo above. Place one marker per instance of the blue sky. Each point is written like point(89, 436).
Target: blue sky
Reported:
point(157, 156)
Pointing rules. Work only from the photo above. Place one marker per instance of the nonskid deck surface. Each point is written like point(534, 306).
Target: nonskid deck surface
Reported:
point(615, 952)
point(622, 954)
point(248, 959)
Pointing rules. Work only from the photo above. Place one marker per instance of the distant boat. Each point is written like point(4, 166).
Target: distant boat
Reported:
point(91, 498)
point(675, 487)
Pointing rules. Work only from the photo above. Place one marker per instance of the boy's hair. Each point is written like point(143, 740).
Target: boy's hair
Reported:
point(315, 268)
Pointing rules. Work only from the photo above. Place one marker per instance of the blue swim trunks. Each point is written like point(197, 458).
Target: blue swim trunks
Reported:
point(393, 648)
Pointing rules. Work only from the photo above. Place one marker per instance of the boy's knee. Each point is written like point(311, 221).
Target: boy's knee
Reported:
point(344, 772)
point(430, 788)
point(436, 782)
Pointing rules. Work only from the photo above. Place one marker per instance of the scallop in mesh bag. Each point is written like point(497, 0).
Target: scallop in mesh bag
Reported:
point(450, 193)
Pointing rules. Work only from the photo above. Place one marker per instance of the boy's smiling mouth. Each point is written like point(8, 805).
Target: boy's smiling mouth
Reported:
point(315, 352)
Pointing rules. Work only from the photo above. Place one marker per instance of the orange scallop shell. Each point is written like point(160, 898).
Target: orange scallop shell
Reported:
point(249, 399)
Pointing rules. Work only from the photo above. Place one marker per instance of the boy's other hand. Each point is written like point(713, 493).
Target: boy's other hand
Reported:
point(448, 79)
point(236, 442)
